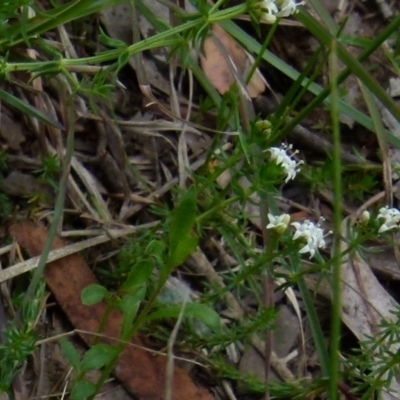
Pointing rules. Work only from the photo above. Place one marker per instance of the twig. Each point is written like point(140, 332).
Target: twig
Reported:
point(20, 268)
point(169, 373)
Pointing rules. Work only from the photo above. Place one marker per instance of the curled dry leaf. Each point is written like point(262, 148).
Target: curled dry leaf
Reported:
point(216, 68)
point(142, 373)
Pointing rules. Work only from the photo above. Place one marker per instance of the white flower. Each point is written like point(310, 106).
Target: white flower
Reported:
point(273, 9)
point(391, 218)
point(270, 10)
point(287, 7)
point(278, 223)
point(281, 157)
point(312, 234)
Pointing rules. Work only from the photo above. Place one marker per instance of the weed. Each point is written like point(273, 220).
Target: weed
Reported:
point(255, 166)
point(50, 171)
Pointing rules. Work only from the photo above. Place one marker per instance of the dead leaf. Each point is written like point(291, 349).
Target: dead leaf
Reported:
point(142, 373)
point(365, 303)
point(216, 68)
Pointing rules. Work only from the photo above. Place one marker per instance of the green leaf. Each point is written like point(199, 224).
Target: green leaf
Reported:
point(138, 275)
point(93, 294)
point(82, 390)
point(70, 353)
point(156, 249)
point(181, 251)
point(28, 109)
point(180, 241)
point(322, 94)
point(352, 63)
point(183, 218)
point(111, 42)
point(198, 311)
point(376, 118)
point(129, 305)
point(123, 59)
point(98, 357)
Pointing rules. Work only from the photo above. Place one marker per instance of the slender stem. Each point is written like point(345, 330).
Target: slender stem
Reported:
point(337, 219)
point(58, 209)
point(161, 39)
point(268, 287)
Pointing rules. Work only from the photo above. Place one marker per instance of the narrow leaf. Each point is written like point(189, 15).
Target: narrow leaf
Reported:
point(183, 218)
point(181, 252)
point(28, 109)
point(138, 275)
point(198, 311)
point(70, 353)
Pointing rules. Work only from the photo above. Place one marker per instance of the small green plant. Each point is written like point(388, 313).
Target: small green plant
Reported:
point(50, 171)
point(19, 338)
point(259, 164)
point(138, 296)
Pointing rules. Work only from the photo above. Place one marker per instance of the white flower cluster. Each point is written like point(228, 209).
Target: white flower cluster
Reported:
point(390, 217)
point(273, 9)
point(312, 234)
point(280, 157)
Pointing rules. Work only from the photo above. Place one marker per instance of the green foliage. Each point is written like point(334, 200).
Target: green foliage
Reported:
point(93, 294)
point(358, 182)
point(181, 242)
point(19, 339)
point(208, 209)
point(200, 312)
point(83, 390)
point(50, 171)
point(70, 354)
point(19, 346)
point(97, 357)
point(146, 267)
point(374, 365)
point(12, 11)
point(24, 107)
point(360, 185)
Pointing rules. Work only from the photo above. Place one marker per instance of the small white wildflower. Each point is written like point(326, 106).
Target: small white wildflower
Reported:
point(312, 234)
point(281, 157)
point(391, 218)
point(278, 223)
point(287, 7)
point(273, 9)
point(270, 10)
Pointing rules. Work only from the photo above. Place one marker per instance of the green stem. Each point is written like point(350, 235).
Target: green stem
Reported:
point(161, 39)
point(58, 210)
point(337, 221)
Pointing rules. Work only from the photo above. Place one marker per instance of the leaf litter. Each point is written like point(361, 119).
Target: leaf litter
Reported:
point(143, 150)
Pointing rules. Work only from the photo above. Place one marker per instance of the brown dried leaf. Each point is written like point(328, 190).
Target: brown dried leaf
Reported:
point(142, 373)
point(216, 68)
